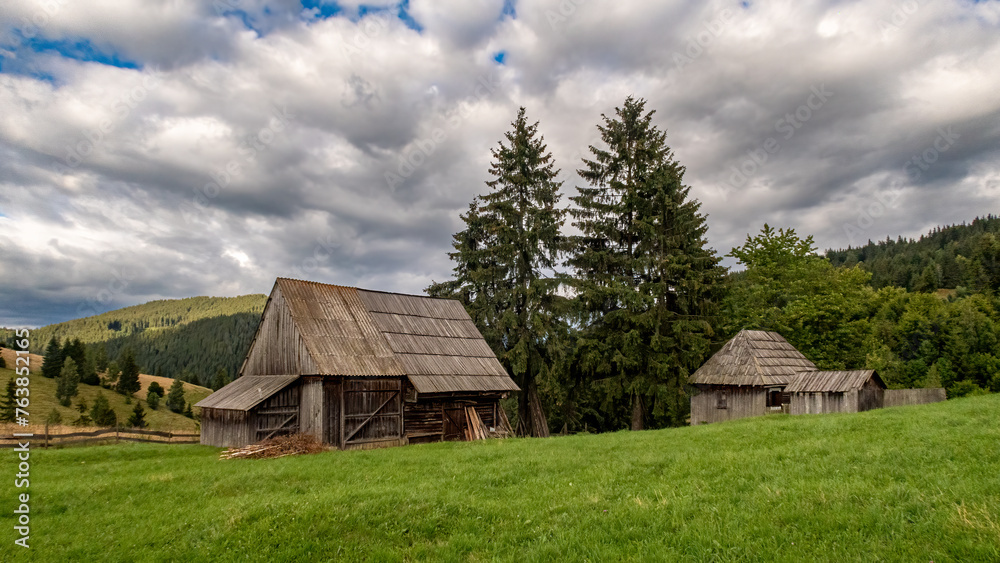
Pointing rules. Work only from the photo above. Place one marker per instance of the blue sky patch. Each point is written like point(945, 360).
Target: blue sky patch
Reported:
point(323, 9)
point(500, 57)
point(79, 50)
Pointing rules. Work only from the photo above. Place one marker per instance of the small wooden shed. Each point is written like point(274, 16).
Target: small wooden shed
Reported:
point(746, 377)
point(359, 369)
point(818, 392)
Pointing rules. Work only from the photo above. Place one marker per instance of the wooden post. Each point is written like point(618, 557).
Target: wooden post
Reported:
point(116, 433)
point(46, 444)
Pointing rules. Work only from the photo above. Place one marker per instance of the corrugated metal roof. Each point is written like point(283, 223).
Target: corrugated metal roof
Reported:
point(831, 381)
point(246, 392)
point(753, 357)
point(355, 332)
point(437, 343)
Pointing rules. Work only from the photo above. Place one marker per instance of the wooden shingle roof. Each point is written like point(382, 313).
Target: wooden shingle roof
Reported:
point(347, 331)
point(831, 381)
point(753, 358)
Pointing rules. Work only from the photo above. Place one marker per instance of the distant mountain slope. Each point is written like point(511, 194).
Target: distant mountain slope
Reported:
point(189, 338)
point(946, 258)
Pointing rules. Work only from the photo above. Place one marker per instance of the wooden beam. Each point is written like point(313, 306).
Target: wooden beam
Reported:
point(280, 426)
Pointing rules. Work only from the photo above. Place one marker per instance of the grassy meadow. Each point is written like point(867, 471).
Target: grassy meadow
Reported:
point(904, 484)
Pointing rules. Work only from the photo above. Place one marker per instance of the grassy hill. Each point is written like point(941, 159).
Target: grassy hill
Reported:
point(191, 339)
point(43, 399)
point(903, 484)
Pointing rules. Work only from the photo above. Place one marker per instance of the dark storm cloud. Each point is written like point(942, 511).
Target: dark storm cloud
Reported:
point(269, 140)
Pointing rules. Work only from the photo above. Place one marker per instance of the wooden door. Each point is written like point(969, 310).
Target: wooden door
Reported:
point(331, 427)
point(454, 422)
point(372, 410)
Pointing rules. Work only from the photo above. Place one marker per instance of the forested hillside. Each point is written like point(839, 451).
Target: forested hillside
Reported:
point(190, 339)
point(966, 256)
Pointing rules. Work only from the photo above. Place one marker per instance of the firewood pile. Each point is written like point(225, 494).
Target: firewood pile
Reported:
point(282, 446)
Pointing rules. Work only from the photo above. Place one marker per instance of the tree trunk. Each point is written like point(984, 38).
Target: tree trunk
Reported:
point(531, 417)
point(637, 412)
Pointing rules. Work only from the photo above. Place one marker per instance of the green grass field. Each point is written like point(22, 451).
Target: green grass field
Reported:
point(904, 484)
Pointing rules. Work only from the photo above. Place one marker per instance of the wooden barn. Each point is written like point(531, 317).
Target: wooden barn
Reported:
point(747, 377)
point(817, 392)
point(360, 369)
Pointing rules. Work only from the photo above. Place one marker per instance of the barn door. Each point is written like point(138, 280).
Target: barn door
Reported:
point(373, 410)
point(454, 422)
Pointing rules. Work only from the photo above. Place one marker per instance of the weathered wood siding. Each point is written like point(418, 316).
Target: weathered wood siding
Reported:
point(278, 348)
point(819, 403)
point(225, 428)
point(871, 396)
point(311, 408)
point(900, 397)
point(739, 402)
point(277, 416)
point(372, 410)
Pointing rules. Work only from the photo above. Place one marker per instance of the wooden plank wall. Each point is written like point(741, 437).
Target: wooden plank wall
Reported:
point(900, 397)
point(818, 403)
point(278, 349)
point(311, 407)
point(224, 428)
point(741, 402)
point(871, 396)
point(279, 415)
point(375, 406)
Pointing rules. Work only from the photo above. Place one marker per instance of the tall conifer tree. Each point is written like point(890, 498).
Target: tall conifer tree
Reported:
point(505, 261)
point(646, 281)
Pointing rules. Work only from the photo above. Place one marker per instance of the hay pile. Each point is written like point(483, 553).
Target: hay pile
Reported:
point(296, 444)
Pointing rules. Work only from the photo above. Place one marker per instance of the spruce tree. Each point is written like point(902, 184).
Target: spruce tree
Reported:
point(505, 260)
point(53, 360)
point(8, 406)
point(153, 400)
point(128, 381)
point(111, 376)
point(155, 389)
point(138, 417)
point(67, 386)
point(101, 358)
point(101, 412)
point(175, 397)
point(646, 282)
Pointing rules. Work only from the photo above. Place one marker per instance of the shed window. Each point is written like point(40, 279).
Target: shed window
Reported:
point(774, 398)
point(721, 404)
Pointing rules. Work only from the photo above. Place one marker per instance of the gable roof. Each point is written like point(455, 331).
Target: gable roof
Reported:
point(246, 392)
point(753, 358)
point(832, 381)
point(347, 331)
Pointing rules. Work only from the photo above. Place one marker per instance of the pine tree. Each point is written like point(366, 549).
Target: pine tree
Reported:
point(188, 412)
point(220, 380)
point(646, 281)
point(53, 361)
point(153, 400)
point(128, 381)
point(8, 406)
point(67, 386)
point(155, 389)
point(138, 417)
point(111, 376)
point(505, 259)
point(101, 412)
point(101, 358)
point(175, 397)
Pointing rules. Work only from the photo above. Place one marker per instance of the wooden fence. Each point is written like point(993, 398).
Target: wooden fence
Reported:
point(105, 435)
point(900, 397)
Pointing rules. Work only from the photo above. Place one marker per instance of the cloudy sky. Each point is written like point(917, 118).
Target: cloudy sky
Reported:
point(169, 149)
